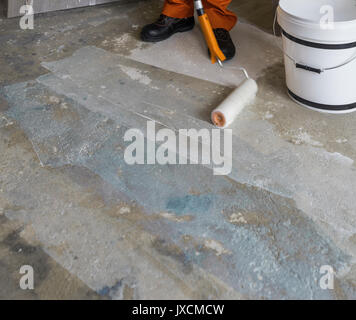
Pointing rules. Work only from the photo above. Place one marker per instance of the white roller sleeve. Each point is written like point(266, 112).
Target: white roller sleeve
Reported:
point(229, 109)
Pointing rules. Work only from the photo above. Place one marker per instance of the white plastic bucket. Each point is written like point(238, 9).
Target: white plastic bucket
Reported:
point(320, 58)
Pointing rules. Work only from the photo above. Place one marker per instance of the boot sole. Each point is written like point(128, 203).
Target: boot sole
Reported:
point(158, 39)
point(227, 58)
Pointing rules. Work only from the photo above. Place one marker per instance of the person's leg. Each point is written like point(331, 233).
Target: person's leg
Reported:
point(178, 8)
point(219, 15)
point(222, 21)
point(177, 16)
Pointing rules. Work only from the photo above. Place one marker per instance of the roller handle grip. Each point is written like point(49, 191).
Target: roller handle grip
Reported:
point(210, 39)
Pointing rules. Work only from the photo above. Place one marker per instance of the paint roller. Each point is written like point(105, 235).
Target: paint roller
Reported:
point(229, 109)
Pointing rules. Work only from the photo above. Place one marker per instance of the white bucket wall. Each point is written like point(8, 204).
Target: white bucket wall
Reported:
point(309, 45)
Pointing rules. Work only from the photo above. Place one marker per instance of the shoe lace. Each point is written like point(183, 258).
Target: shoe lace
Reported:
point(163, 19)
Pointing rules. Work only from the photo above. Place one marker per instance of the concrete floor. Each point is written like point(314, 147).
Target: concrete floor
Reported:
point(94, 227)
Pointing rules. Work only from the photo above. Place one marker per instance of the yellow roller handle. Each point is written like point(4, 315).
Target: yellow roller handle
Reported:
point(215, 51)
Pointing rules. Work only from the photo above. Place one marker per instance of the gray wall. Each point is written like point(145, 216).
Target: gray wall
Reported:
point(13, 6)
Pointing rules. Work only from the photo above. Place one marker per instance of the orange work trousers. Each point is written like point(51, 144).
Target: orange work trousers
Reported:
point(219, 15)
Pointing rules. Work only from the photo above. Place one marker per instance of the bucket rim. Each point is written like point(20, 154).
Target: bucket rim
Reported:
point(312, 22)
point(342, 33)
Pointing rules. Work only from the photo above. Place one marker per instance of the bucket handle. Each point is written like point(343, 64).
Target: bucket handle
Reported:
point(303, 66)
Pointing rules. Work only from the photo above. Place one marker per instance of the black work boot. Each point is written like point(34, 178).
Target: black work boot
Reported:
point(225, 43)
point(164, 27)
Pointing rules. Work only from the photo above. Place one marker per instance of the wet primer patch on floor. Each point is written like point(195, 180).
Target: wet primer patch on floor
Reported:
point(291, 164)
